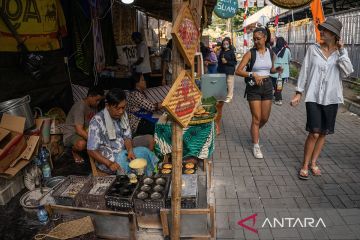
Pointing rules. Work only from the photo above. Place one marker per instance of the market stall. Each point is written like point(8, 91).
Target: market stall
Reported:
point(128, 200)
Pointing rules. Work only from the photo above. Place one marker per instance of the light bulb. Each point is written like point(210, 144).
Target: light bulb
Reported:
point(127, 1)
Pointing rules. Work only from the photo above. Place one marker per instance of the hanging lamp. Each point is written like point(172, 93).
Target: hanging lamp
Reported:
point(127, 1)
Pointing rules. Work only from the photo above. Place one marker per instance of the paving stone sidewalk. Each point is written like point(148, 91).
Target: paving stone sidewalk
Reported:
point(270, 188)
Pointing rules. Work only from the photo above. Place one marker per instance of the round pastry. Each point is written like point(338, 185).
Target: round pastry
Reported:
point(189, 171)
point(167, 165)
point(133, 180)
point(166, 171)
point(189, 165)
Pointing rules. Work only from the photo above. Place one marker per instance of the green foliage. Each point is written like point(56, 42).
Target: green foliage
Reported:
point(238, 19)
point(356, 88)
point(294, 71)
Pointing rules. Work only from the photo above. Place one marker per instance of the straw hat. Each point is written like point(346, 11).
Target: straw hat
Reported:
point(332, 24)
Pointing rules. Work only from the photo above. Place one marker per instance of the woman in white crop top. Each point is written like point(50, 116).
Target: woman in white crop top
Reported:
point(259, 90)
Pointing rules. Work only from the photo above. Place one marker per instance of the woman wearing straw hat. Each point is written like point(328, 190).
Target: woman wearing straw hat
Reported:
point(323, 68)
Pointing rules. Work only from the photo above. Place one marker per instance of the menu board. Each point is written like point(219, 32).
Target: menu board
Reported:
point(183, 99)
point(186, 34)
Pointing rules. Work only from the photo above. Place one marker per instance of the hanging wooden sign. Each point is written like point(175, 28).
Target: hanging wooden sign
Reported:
point(290, 4)
point(182, 99)
point(226, 8)
point(186, 34)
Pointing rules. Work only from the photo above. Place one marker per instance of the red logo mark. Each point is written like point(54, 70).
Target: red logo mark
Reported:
point(253, 217)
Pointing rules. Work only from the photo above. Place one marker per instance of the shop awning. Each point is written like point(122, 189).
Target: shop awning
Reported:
point(265, 12)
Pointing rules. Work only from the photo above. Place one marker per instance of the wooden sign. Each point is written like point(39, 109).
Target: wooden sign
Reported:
point(290, 4)
point(226, 8)
point(183, 99)
point(186, 34)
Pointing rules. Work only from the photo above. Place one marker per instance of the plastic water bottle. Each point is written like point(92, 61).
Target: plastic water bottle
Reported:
point(46, 169)
point(38, 161)
point(279, 83)
point(42, 215)
point(44, 154)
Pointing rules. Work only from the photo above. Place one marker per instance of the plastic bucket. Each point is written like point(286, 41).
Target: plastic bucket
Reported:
point(19, 107)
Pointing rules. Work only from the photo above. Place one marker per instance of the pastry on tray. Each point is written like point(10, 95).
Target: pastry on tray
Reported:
point(167, 165)
point(166, 171)
point(189, 165)
point(189, 171)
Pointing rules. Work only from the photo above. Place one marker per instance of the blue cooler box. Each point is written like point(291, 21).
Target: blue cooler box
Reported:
point(214, 85)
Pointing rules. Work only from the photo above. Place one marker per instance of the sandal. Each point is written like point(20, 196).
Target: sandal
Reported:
point(303, 174)
point(316, 171)
point(78, 159)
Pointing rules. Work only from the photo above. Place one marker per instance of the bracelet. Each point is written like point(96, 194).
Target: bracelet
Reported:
point(297, 92)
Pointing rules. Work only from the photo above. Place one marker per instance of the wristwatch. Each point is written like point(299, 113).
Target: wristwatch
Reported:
point(250, 74)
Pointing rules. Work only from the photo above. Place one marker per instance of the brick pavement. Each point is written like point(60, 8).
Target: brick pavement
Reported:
point(270, 187)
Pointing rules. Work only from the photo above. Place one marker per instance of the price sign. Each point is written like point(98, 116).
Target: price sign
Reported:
point(186, 34)
point(182, 99)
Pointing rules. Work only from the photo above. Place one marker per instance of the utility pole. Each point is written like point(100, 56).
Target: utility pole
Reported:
point(177, 138)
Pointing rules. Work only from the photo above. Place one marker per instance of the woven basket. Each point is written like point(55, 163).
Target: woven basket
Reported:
point(68, 230)
point(202, 121)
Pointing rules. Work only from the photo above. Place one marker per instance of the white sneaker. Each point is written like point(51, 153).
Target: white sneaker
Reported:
point(279, 103)
point(257, 152)
point(228, 100)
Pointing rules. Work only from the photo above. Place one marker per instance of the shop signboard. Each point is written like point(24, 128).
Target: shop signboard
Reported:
point(186, 34)
point(226, 8)
point(182, 99)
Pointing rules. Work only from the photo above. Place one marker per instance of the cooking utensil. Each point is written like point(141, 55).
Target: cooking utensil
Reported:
point(145, 188)
point(142, 195)
point(148, 181)
point(158, 188)
point(155, 195)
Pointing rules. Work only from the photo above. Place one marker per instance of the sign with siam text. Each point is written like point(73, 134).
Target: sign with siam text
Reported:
point(226, 8)
point(182, 99)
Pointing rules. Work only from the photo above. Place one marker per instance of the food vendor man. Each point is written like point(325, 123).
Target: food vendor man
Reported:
point(109, 138)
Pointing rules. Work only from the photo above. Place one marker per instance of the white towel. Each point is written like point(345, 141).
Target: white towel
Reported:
point(109, 124)
point(124, 122)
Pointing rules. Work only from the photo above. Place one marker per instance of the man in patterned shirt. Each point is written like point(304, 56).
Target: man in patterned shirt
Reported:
point(109, 138)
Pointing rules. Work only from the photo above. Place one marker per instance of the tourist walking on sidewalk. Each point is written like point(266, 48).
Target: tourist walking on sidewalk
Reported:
point(259, 90)
point(226, 64)
point(283, 57)
point(320, 78)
